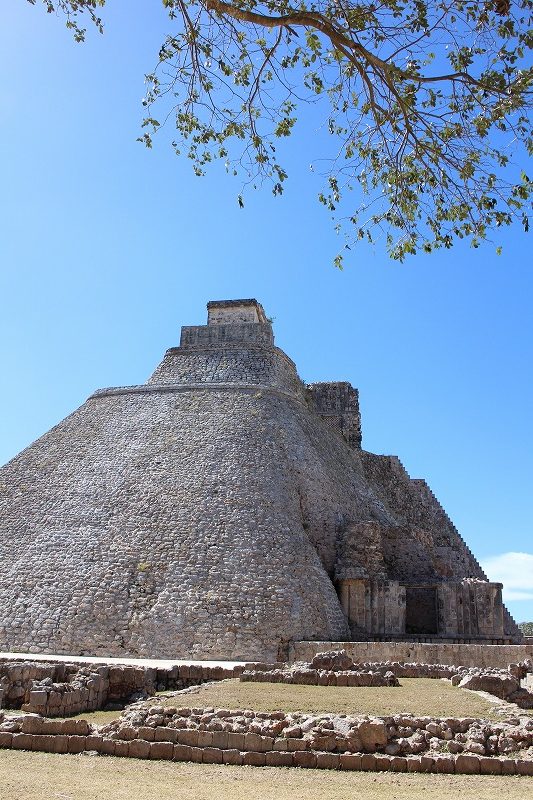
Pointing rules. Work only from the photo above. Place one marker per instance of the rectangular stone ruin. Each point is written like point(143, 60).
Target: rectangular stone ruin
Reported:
point(390, 610)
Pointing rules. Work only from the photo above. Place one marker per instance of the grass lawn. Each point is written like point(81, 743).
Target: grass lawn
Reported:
point(44, 776)
point(422, 696)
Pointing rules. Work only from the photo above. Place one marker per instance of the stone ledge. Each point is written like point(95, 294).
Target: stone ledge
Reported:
point(166, 388)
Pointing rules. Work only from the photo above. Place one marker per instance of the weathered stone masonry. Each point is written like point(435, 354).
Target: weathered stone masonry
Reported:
point(224, 510)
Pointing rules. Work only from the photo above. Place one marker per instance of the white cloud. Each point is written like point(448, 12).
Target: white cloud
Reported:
point(515, 571)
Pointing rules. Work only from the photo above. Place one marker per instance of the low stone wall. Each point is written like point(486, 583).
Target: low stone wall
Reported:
point(17, 677)
point(468, 655)
point(313, 677)
point(246, 730)
point(87, 691)
point(62, 689)
point(331, 668)
point(329, 741)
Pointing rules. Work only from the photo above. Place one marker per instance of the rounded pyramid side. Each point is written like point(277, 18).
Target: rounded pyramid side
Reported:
point(176, 523)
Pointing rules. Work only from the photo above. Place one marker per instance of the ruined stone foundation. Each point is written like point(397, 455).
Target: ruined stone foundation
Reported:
point(224, 509)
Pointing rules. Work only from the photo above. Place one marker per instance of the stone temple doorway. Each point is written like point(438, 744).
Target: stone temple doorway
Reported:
point(421, 610)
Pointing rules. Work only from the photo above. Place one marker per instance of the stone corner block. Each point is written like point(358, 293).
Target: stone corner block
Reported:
point(467, 764)
point(328, 761)
point(162, 751)
point(254, 759)
point(304, 758)
point(351, 761)
point(279, 758)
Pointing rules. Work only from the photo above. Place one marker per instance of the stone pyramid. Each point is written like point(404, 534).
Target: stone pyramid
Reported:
point(222, 510)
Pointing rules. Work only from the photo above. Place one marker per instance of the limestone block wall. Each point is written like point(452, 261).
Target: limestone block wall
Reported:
point(221, 312)
point(457, 654)
point(59, 689)
point(246, 366)
point(16, 679)
point(84, 693)
point(402, 743)
point(338, 405)
point(62, 688)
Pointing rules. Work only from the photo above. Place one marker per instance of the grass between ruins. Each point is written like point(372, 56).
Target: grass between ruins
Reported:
point(43, 776)
point(419, 696)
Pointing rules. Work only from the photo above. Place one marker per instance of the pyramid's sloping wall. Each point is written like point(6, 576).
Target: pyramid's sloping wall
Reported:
point(171, 522)
point(428, 545)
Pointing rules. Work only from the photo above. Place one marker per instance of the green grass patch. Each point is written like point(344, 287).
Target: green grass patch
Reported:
point(421, 696)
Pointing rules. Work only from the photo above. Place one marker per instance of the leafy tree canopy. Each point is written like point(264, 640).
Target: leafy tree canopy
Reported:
point(526, 628)
point(427, 104)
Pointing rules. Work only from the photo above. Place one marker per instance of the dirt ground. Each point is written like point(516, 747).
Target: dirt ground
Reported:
point(423, 696)
point(43, 776)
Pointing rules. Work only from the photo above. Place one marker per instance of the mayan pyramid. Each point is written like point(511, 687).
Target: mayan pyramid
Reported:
point(222, 510)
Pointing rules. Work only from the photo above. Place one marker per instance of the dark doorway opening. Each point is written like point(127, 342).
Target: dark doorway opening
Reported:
point(421, 610)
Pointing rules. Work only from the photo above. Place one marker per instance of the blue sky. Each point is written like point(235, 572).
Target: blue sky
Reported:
point(108, 248)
